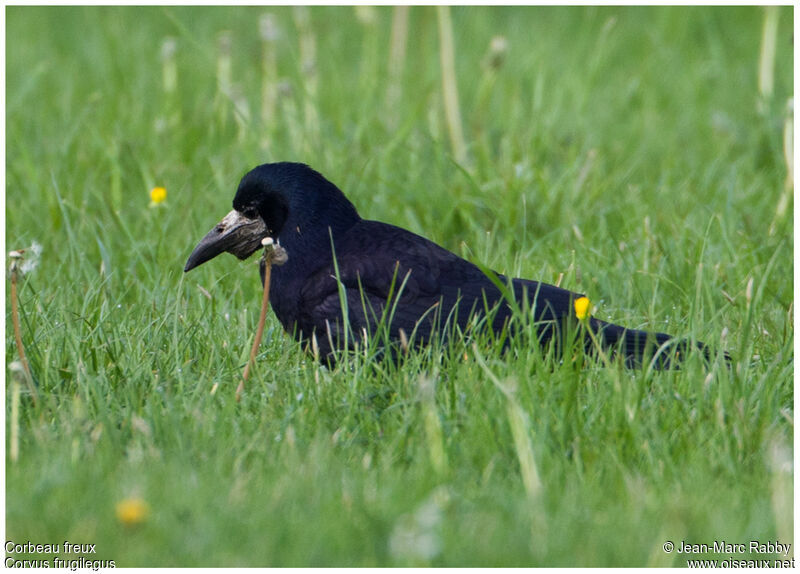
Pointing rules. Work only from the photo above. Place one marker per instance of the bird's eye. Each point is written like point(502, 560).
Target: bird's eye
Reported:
point(250, 213)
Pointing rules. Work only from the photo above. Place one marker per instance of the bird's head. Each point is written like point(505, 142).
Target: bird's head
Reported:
point(275, 200)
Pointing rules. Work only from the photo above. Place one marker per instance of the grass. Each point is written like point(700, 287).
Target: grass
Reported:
point(620, 151)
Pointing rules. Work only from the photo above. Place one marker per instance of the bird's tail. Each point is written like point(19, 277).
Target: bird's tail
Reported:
point(640, 348)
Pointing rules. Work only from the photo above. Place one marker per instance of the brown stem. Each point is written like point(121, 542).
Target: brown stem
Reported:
point(261, 320)
point(18, 336)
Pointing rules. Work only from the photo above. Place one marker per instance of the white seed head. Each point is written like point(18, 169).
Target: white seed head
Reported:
point(366, 15)
point(268, 28)
point(168, 48)
point(28, 265)
point(499, 45)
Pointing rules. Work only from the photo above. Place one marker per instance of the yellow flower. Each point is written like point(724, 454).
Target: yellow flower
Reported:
point(157, 195)
point(582, 308)
point(132, 511)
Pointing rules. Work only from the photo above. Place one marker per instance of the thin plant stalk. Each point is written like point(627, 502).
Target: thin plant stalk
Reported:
point(788, 144)
point(520, 429)
point(433, 426)
point(449, 86)
point(272, 254)
point(788, 157)
point(308, 62)
point(397, 61)
point(269, 76)
point(169, 82)
point(14, 450)
point(766, 61)
point(224, 67)
point(18, 333)
point(492, 63)
point(169, 70)
point(290, 115)
point(367, 16)
point(241, 111)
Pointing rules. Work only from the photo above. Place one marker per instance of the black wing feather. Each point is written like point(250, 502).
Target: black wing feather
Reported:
point(381, 265)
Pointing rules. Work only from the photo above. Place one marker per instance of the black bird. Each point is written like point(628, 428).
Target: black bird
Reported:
point(374, 262)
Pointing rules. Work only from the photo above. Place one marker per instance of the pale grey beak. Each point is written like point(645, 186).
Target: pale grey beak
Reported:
point(235, 234)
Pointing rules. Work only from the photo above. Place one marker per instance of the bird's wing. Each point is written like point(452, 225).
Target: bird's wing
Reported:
point(385, 273)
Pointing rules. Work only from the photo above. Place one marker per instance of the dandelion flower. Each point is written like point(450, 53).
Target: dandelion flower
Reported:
point(582, 308)
point(157, 196)
point(25, 260)
point(132, 511)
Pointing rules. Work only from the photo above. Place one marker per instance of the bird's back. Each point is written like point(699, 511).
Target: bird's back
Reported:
point(384, 273)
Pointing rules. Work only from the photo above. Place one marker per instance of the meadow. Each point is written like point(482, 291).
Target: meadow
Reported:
point(636, 155)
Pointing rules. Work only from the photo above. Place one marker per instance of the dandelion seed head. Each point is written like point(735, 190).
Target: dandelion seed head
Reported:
point(498, 47)
point(28, 265)
point(499, 44)
point(366, 15)
point(168, 48)
point(25, 260)
point(268, 28)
